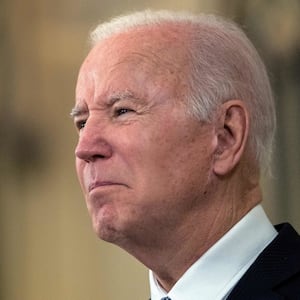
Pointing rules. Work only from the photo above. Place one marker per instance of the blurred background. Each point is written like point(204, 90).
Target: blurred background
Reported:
point(48, 250)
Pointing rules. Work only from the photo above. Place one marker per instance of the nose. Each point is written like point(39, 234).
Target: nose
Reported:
point(92, 145)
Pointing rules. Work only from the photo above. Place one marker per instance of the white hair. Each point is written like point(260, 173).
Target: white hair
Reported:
point(224, 65)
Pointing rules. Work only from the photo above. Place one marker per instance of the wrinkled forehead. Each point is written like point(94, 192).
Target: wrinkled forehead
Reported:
point(158, 49)
point(147, 60)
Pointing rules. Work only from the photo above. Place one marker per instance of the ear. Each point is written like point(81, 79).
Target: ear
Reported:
point(232, 135)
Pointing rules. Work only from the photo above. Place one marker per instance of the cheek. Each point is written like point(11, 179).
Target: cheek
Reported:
point(183, 160)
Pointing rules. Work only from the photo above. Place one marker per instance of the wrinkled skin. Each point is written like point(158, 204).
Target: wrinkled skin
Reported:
point(150, 160)
point(157, 182)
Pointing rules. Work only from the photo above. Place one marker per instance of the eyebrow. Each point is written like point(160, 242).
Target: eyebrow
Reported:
point(125, 95)
point(77, 111)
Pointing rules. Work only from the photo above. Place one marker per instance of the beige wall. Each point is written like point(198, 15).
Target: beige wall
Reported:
point(48, 250)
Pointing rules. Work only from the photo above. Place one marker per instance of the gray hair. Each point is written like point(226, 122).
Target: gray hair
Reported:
point(224, 65)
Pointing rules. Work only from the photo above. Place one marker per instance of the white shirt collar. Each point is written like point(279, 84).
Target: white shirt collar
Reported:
point(215, 274)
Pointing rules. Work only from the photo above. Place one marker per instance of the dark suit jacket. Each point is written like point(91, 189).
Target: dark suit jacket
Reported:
point(275, 274)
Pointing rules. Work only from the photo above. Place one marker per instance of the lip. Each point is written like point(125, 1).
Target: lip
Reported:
point(97, 184)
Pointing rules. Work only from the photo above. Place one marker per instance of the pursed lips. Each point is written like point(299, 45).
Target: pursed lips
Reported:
point(97, 184)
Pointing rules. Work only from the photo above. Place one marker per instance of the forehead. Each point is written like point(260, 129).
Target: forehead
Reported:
point(157, 49)
point(145, 58)
point(165, 42)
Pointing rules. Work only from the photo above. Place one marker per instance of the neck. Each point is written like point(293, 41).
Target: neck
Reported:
point(173, 252)
point(194, 243)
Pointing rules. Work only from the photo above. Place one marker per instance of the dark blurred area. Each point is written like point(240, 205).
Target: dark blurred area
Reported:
point(48, 249)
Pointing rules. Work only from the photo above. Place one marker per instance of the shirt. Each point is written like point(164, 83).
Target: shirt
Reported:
point(217, 271)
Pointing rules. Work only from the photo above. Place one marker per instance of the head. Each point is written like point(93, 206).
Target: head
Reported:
point(170, 109)
point(223, 65)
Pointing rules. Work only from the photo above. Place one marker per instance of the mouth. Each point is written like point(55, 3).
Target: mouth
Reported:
point(100, 184)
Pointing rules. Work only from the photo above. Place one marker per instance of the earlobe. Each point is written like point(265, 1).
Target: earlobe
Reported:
point(232, 134)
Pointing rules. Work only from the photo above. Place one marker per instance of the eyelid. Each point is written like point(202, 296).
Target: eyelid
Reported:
point(80, 123)
point(117, 110)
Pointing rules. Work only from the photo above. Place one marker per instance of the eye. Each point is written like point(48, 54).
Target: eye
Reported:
point(80, 124)
point(122, 111)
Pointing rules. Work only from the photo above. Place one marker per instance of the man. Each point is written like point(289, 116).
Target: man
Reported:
point(176, 121)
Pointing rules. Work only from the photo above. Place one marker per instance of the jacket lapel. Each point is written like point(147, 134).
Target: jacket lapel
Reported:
point(277, 263)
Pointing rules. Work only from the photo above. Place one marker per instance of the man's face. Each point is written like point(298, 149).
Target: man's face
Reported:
point(143, 163)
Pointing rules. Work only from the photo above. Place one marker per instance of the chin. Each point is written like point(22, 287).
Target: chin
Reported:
point(104, 226)
point(107, 234)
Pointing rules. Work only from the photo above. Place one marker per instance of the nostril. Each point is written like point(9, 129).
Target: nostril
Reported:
point(97, 156)
point(83, 155)
point(93, 149)
point(89, 156)
point(92, 158)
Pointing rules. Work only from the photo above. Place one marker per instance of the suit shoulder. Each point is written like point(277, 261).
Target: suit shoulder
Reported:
point(276, 271)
